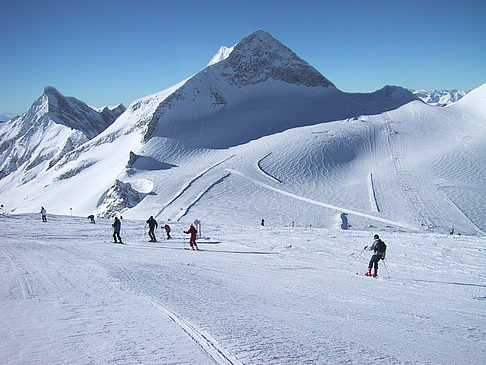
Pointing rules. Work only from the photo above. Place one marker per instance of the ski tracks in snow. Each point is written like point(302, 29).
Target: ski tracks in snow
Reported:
point(203, 339)
point(192, 192)
point(315, 202)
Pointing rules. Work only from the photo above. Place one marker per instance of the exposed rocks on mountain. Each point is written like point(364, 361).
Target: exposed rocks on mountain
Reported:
point(117, 199)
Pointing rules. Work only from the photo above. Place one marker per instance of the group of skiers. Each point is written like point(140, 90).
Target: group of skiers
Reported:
point(378, 246)
point(152, 223)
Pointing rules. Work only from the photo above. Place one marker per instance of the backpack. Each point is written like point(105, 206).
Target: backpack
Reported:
point(381, 247)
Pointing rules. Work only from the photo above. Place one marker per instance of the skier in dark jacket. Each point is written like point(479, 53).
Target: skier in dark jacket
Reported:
point(192, 240)
point(116, 230)
point(152, 225)
point(379, 249)
point(91, 218)
point(167, 230)
point(43, 214)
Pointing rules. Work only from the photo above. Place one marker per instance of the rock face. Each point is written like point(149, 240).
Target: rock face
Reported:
point(117, 199)
point(77, 115)
point(260, 57)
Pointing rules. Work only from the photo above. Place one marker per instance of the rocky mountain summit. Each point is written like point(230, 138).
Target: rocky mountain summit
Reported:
point(53, 126)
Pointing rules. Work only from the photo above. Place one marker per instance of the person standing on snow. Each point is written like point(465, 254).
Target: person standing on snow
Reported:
point(192, 240)
point(116, 230)
point(91, 218)
point(379, 249)
point(167, 230)
point(43, 214)
point(152, 225)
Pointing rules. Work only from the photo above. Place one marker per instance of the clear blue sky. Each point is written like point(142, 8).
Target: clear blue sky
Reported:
point(106, 52)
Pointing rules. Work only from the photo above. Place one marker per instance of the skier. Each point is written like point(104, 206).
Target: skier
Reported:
point(192, 240)
point(116, 230)
point(152, 225)
point(43, 214)
point(91, 218)
point(379, 249)
point(167, 230)
point(263, 222)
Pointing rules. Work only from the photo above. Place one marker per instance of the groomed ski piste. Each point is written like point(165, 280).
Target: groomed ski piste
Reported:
point(252, 295)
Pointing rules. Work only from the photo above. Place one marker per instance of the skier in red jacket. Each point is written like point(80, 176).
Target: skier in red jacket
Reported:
point(167, 230)
point(192, 240)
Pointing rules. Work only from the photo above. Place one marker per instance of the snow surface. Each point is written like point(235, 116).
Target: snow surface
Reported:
point(252, 295)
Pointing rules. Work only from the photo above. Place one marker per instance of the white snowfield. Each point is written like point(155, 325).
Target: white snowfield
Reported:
point(252, 295)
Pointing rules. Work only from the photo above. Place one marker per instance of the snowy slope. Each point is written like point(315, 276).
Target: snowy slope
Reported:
point(439, 97)
point(261, 134)
point(252, 295)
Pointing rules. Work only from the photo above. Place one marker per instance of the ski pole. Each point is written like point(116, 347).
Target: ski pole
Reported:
point(386, 268)
point(352, 262)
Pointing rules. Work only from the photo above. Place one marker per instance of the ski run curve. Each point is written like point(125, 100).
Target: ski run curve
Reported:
point(315, 202)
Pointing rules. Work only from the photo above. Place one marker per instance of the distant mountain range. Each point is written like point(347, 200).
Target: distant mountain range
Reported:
point(439, 97)
point(258, 133)
point(5, 117)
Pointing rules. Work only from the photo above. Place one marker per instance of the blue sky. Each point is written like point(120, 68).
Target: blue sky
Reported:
point(106, 52)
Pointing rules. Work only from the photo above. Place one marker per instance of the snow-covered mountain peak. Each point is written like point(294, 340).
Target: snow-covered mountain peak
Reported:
point(221, 55)
point(259, 57)
point(75, 114)
point(53, 126)
point(52, 91)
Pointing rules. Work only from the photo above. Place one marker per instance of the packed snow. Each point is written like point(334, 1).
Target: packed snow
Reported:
point(253, 295)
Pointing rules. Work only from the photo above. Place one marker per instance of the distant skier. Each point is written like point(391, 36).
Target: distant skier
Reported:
point(263, 222)
point(91, 218)
point(43, 213)
point(192, 240)
point(152, 225)
point(452, 231)
point(379, 249)
point(116, 230)
point(167, 230)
